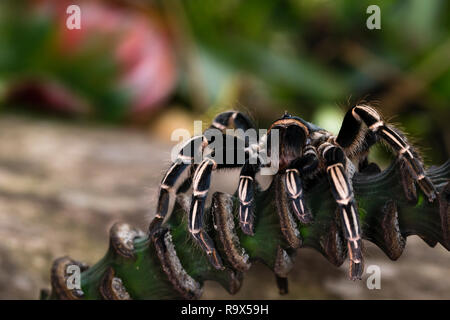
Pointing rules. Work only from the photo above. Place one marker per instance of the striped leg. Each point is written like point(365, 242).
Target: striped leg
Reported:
point(231, 119)
point(342, 191)
point(201, 183)
point(197, 144)
point(172, 175)
point(293, 182)
point(246, 194)
point(350, 138)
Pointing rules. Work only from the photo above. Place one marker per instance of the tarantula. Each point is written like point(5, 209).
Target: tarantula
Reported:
point(305, 152)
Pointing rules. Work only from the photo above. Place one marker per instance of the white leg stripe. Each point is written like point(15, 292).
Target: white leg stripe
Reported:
point(219, 125)
point(355, 221)
point(406, 149)
point(200, 193)
point(339, 183)
point(376, 125)
point(243, 190)
point(295, 206)
point(194, 215)
point(355, 115)
point(326, 149)
point(347, 223)
point(370, 111)
point(335, 165)
point(393, 138)
point(292, 186)
point(199, 172)
point(344, 201)
point(301, 207)
point(246, 214)
point(169, 171)
point(310, 151)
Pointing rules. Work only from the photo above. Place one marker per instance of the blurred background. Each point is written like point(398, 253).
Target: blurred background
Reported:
point(86, 116)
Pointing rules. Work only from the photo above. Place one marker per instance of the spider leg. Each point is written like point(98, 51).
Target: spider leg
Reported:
point(169, 180)
point(221, 122)
point(223, 213)
point(246, 194)
point(341, 189)
point(349, 138)
point(293, 182)
point(201, 183)
point(229, 119)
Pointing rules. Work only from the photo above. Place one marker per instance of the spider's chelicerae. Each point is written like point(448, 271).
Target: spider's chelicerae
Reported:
point(305, 151)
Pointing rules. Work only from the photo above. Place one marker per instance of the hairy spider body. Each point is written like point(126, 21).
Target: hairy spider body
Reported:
point(305, 151)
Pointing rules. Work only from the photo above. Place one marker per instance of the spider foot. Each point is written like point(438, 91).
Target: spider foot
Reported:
point(356, 270)
point(302, 212)
point(411, 175)
point(282, 284)
point(356, 259)
point(207, 245)
point(247, 228)
point(427, 187)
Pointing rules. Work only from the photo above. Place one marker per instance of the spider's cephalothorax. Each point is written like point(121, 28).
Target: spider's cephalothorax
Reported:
point(305, 152)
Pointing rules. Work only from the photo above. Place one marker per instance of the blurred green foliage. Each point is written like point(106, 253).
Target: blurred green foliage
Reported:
point(29, 50)
point(314, 58)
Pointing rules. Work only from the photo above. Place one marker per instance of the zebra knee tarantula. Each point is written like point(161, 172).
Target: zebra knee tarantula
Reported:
point(304, 152)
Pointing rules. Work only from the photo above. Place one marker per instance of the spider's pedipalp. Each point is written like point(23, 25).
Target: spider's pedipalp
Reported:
point(342, 191)
point(353, 139)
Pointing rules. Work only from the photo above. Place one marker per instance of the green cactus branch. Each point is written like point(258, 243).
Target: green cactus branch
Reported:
point(169, 265)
